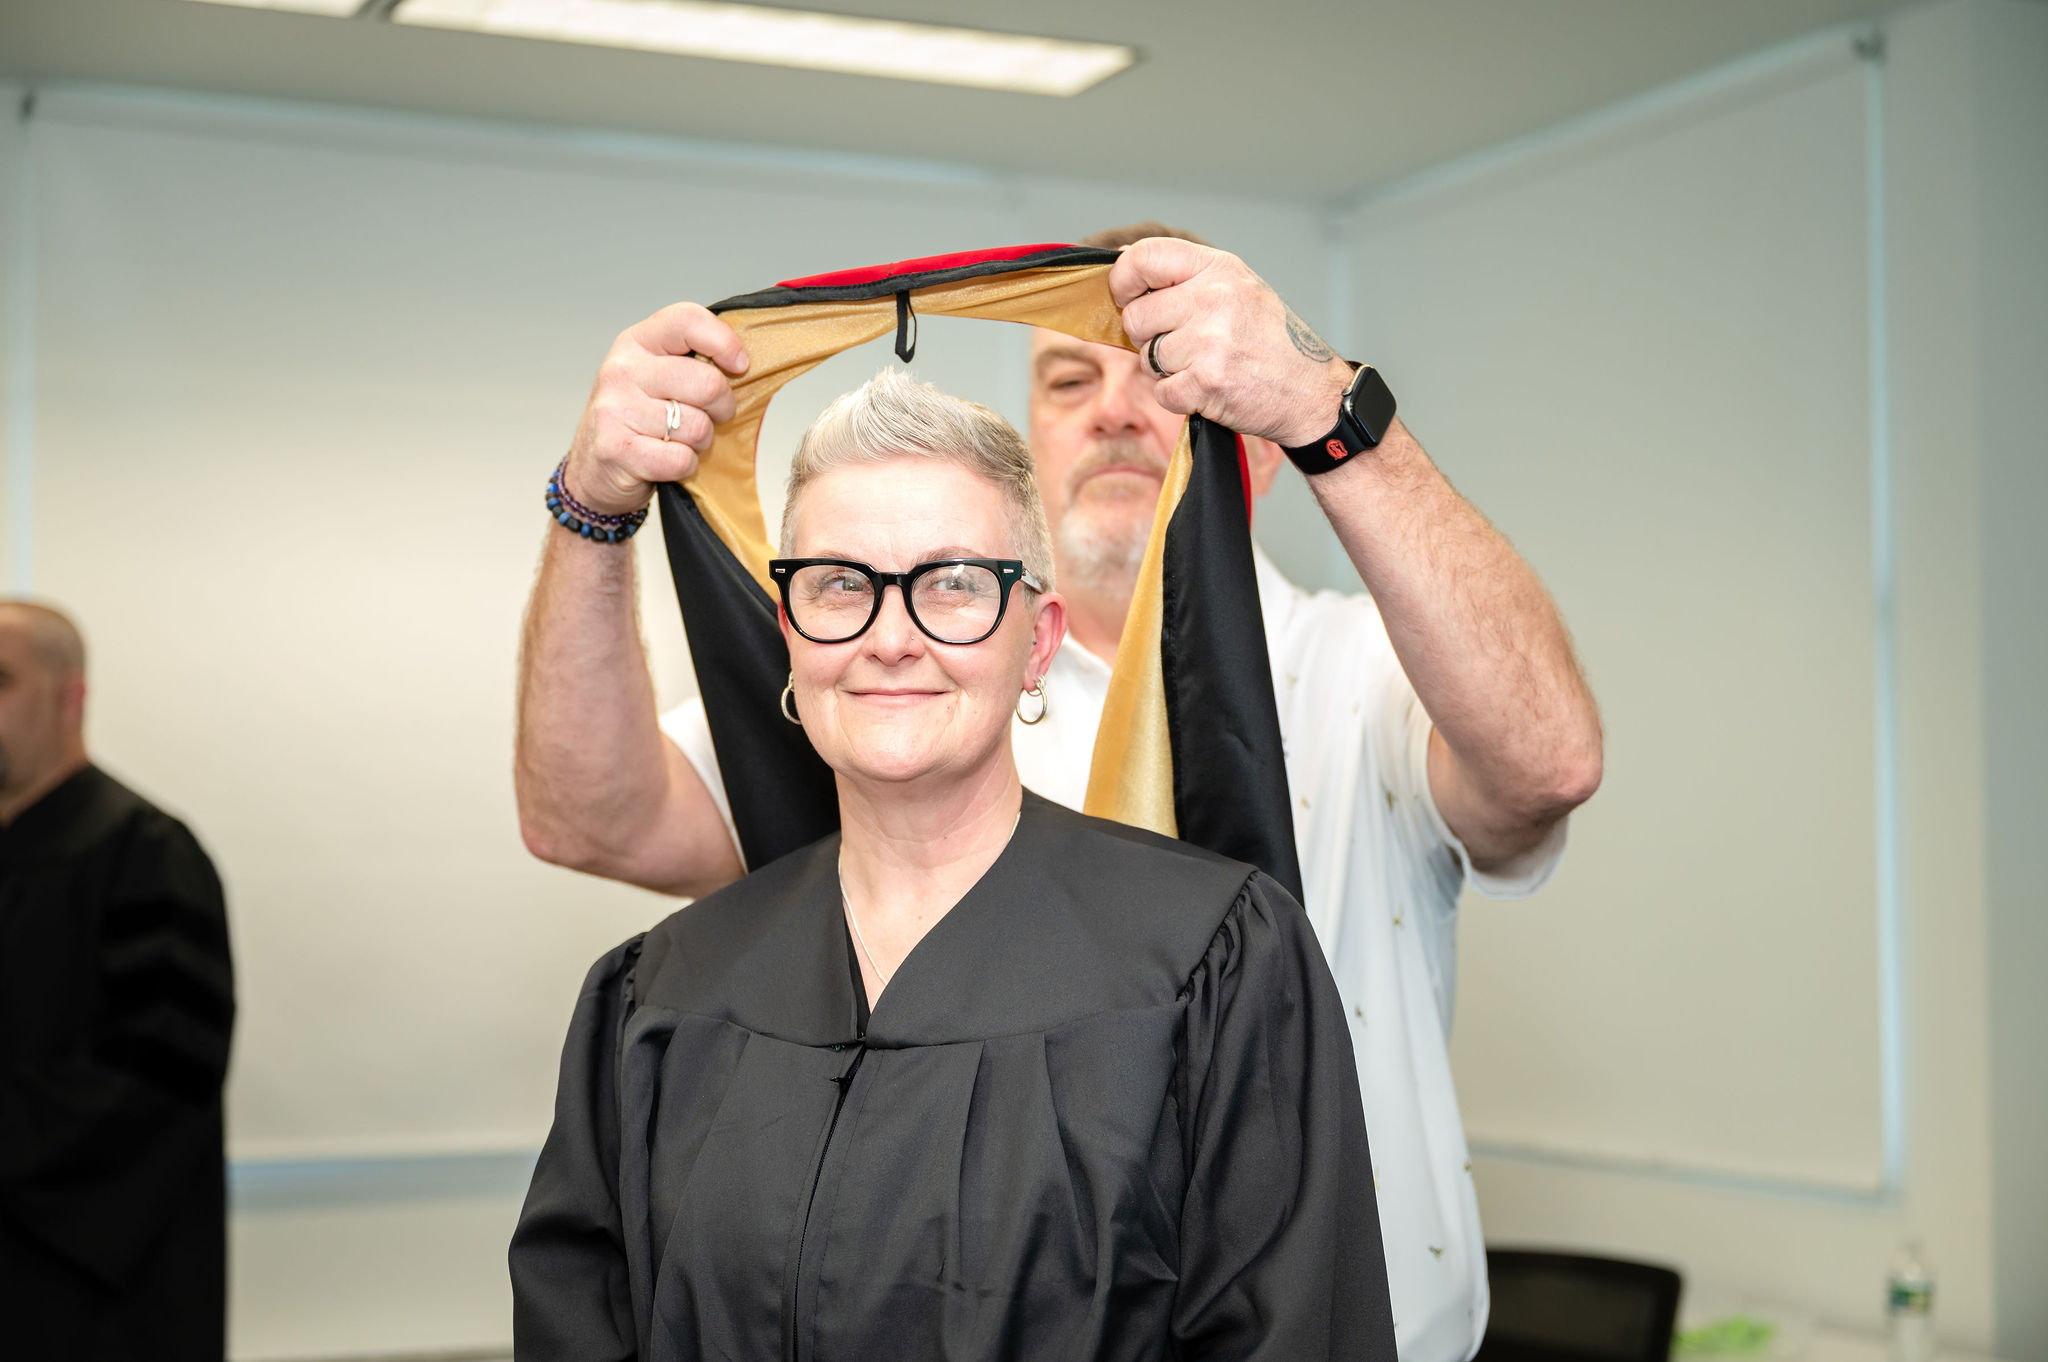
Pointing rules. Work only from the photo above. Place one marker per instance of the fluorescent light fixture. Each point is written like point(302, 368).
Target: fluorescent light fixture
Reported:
point(787, 37)
point(338, 9)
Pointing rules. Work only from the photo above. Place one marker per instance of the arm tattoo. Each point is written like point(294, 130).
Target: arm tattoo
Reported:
point(1305, 340)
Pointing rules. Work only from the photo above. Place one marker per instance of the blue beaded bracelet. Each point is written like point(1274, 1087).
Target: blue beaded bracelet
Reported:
point(573, 516)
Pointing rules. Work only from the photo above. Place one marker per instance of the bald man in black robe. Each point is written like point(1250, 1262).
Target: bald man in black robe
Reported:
point(116, 1003)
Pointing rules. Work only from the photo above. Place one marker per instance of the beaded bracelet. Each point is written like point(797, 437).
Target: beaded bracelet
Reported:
point(573, 516)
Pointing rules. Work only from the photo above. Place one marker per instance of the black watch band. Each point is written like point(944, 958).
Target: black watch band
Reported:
point(1364, 414)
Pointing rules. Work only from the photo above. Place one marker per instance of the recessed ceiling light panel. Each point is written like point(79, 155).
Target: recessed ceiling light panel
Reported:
point(339, 9)
point(784, 37)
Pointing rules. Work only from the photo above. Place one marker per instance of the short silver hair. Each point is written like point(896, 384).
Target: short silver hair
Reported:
point(894, 416)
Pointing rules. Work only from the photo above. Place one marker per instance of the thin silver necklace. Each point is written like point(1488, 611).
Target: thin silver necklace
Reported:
point(853, 920)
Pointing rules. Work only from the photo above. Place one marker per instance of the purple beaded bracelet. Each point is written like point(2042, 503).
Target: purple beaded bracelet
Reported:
point(573, 516)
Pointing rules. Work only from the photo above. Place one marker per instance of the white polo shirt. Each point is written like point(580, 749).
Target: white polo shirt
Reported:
point(1382, 875)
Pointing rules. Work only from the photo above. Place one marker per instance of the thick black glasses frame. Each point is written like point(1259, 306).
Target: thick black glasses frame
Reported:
point(1009, 572)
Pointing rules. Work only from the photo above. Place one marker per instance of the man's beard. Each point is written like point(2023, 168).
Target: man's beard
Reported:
point(1101, 540)
point(6, 769)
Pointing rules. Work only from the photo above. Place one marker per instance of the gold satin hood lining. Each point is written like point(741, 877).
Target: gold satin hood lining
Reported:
point(784, 343)
point(1131, 772)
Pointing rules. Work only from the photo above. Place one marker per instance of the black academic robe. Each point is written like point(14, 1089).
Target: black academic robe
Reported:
point(116, 1001)
point(1106, 1109)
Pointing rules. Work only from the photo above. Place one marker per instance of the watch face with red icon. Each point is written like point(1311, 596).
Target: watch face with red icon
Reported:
point(1362, 421)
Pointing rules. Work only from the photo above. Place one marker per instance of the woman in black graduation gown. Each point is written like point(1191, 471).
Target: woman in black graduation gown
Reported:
point(978, 1077)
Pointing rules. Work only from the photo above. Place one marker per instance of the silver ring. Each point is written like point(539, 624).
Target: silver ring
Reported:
point(675, 419)
point(1152, 357)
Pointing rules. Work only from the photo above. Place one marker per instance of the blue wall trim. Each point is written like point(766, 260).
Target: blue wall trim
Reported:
point(1884, 585)
point(259, 1186)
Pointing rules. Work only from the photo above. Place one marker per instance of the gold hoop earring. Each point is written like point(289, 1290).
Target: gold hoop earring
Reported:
point(1036, 690)
point(788, 702)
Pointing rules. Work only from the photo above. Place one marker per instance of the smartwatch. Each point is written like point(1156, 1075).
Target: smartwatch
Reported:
point(1362, 420)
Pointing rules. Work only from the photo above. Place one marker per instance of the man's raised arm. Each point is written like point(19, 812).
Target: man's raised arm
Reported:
point(600, 788)
point(1517, 741)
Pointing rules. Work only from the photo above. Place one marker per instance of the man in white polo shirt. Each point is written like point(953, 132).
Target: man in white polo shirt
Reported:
point(1393, 812)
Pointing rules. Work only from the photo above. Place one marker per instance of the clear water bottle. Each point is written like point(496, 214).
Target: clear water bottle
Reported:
point(1909, 1305)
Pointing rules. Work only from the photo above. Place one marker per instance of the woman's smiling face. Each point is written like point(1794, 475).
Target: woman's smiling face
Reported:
point(894, 705)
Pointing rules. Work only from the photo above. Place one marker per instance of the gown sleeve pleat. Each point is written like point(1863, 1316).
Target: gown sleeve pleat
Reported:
point(571, 1291)
point(1279, 1227)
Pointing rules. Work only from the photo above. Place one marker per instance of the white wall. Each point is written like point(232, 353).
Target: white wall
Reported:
point(1725, 374)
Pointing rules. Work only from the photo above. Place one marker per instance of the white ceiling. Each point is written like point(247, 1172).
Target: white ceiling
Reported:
point(1305, 98)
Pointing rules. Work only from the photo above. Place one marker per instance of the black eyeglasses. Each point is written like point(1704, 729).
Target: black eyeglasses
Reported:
point(953, 600)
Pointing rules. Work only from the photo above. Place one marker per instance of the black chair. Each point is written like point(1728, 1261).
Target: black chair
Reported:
point(1566, 1307)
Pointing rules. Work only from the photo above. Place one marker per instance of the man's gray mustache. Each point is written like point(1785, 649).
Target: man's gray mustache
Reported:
point(1114, 454)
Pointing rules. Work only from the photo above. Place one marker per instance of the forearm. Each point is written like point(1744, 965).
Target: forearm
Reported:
point(599, 788)
point(1479, 639)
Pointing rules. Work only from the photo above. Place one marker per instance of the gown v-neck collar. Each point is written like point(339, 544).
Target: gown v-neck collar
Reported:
point(854, 944)
point(772, 953)
point(916, 960)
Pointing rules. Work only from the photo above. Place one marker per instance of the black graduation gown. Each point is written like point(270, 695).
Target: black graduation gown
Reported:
point(116, 1002)
point(1105, 1109)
